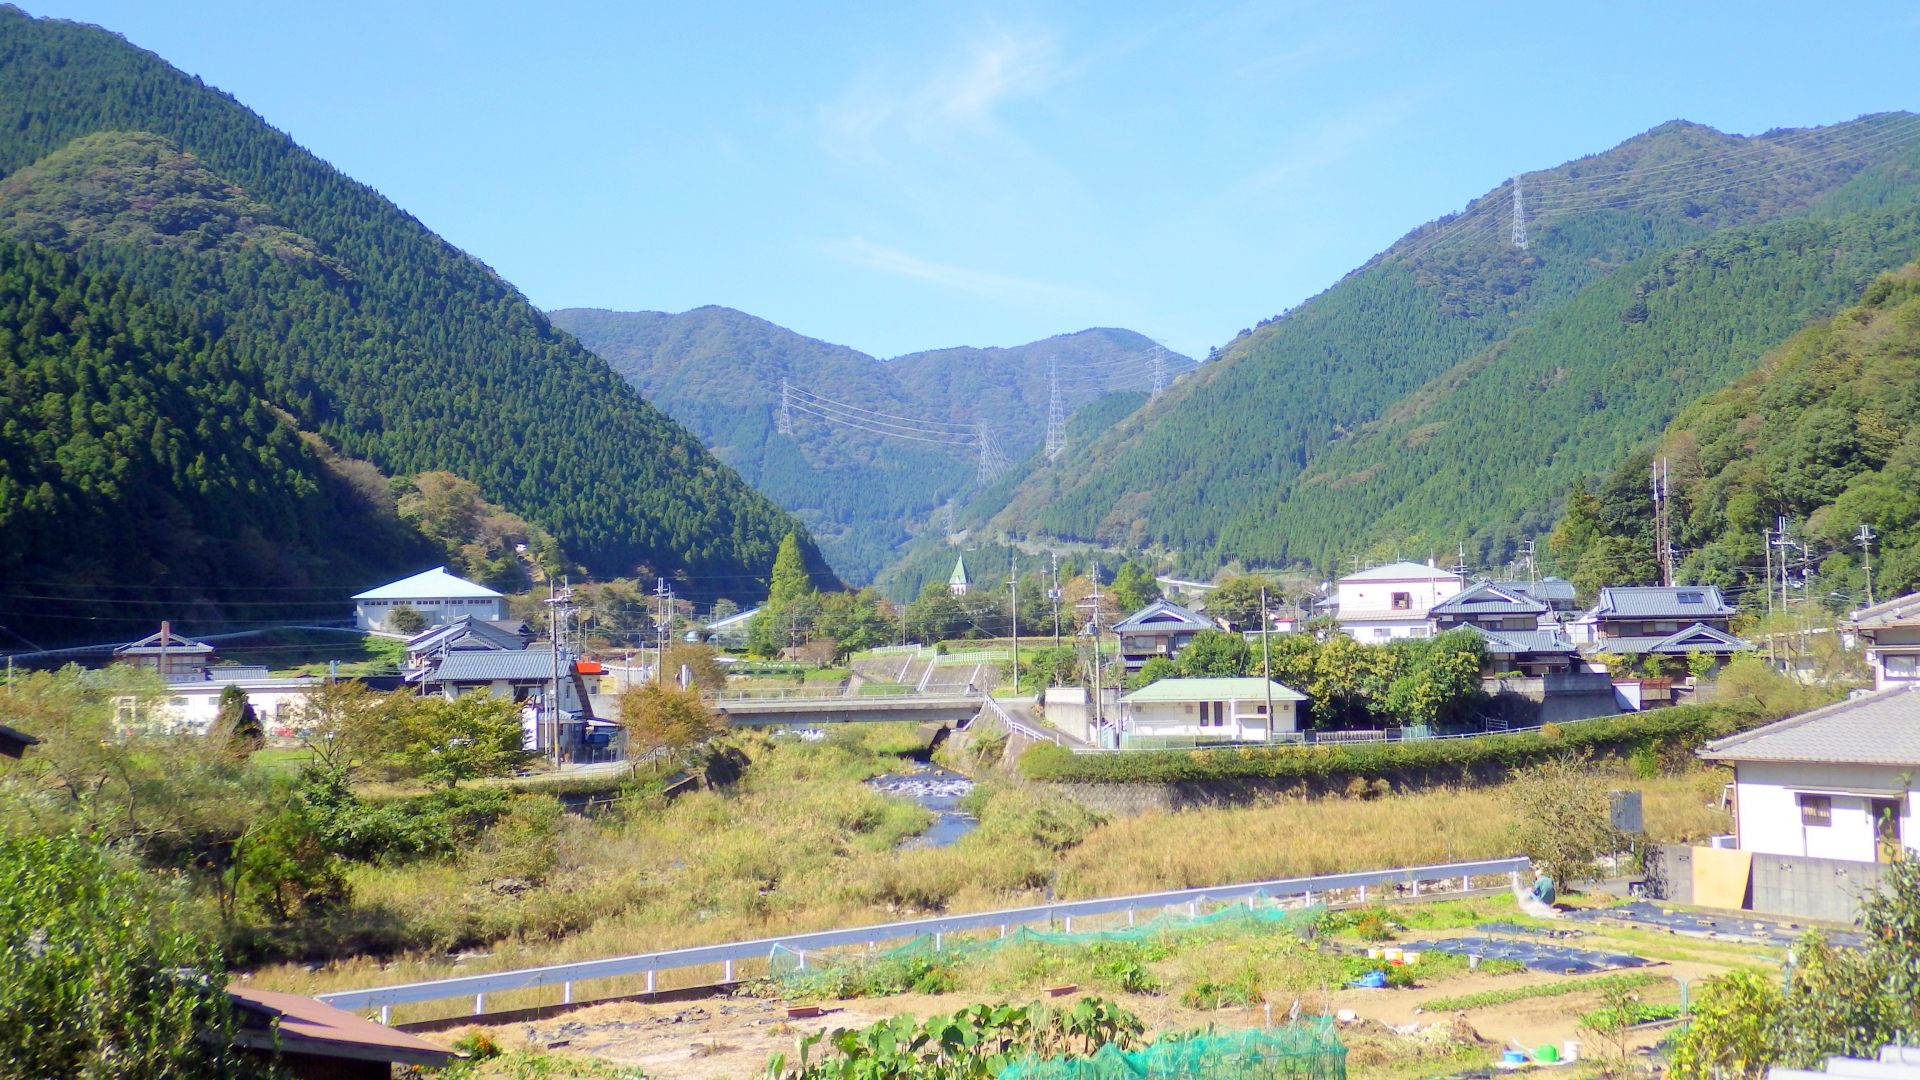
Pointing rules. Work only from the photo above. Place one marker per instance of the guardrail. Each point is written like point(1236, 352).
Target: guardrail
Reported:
point(1001, 714)
point(1350, 738)
point(726, 697)
point(565, 975)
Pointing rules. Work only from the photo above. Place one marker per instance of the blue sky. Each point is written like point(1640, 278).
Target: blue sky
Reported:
point(899, 177)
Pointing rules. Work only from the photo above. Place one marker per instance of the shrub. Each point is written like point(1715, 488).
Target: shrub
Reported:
point(1563, 808)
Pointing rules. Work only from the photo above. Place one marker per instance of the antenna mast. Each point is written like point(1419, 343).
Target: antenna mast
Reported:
point(1519, 216)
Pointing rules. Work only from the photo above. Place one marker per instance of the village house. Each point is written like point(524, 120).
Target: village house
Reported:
point(172, 655)
point(1833, 783)
point(527, 677)
point(1891, 632)
point(1660, 620)
point(1556, 592)
point(1392, 601)
point(439, 596)
point(1489, 607)
point(1184, 712)
point(465, 633)
point(190, 708)
point(1162, 628)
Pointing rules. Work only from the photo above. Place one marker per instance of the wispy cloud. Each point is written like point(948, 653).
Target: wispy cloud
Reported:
point(958, 100)
point(861, 252)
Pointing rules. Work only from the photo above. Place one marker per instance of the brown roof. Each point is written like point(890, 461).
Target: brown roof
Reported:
point(297, 1024)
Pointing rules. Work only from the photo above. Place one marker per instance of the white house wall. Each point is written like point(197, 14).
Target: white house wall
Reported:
point(1768, 808)
point(372, 614)
point(192, 709)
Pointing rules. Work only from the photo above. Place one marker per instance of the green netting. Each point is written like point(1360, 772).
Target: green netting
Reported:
point(1309, 1050)
point(908, 964)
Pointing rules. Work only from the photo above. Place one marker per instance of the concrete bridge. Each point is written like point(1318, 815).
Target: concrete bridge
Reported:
point(803, 711)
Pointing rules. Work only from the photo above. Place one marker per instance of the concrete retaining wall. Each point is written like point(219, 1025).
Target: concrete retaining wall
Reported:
point(1792, 885)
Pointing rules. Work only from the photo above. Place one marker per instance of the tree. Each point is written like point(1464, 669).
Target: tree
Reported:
point(405, 619)
point(1442, 681)
point(1564, 817)
point(102, 971)
point(700, 660)
point(340, 725)
point(1734, 1032)
point(660, 718)
point(236, 724)
point(1237, 600)
point(856, 621)
point(790, 580)
point(1215, 653)
point(1613, 560)
point(1134, 586)
point(281, 867)
point(1579, 526)
point(444, 741)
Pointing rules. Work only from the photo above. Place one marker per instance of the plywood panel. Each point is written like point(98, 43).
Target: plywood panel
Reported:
point(1720, 877)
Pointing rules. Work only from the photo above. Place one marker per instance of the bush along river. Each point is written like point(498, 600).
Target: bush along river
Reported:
point(939, 790)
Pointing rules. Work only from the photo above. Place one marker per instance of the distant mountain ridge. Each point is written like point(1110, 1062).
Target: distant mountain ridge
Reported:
point(879, 447)
point(363, 325)
point(1228, 464)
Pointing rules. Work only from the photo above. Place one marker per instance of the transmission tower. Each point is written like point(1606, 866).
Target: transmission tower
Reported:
point(1519, 216)
point(1056, 413)
point(785, 423)
point(1158, 358)
point(992, 461)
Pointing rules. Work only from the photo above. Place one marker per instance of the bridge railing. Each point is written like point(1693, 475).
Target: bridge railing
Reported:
point(1001, 714)
point(741, 697)
point(565, 975)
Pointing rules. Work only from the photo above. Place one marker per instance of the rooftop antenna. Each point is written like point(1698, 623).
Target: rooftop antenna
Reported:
point(1519, 216)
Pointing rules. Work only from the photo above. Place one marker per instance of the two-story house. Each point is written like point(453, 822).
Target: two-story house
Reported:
point(1891, 633)
point(1393, 601)
point(1664, 620)
point(1162, 628)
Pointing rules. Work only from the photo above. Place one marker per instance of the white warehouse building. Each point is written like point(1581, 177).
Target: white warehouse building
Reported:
point(436, 594)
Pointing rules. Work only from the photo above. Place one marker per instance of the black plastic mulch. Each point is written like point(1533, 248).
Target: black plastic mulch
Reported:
point(1754, 930)
point(1538, 955)
point(1530, 931)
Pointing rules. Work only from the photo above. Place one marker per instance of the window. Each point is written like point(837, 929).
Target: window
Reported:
point(1403, 601)
point(1693, 598)
point(1382, 632)
point(1665, 627)
point(1816, 809)
point(1418, 631)
point(1260, 710)
point(1901, 667)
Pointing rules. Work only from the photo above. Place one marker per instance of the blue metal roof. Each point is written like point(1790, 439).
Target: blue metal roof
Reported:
point(1163, 615)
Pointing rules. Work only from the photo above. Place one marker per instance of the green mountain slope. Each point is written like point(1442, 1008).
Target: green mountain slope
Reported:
point(855, 468)
point(1478, 456)
point(396, 346)
point(1197, 471)
point(142, 475)
point(1826, 434)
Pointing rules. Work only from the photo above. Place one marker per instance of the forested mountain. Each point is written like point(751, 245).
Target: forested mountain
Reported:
point(363, 325)
point(878, 449)
point(142, 475)
point(1825, 434)
point(1445, 391)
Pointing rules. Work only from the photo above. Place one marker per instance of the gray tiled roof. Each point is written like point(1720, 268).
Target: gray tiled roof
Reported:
point(1547, 588)
point(1662, 602)
point(1163, 615)
point(1703, 638)
point(486, 666)
point(1900, 609)
point(1486, 598)
point(1877, 729)
point(1508, 642)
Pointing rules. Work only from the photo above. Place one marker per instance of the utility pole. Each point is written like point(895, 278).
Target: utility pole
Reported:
point(1266, 658)
point(1866, 553)
point(661, 622)
point(1098, 672)
point(559, 610)
point(1519, 216)
point(1663, 520)
point(1013, 579)
point(1053, 594)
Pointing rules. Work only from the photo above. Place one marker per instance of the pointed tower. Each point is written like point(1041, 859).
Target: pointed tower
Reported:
point(957, 581)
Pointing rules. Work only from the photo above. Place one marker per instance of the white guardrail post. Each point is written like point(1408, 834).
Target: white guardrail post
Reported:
point(563, 975)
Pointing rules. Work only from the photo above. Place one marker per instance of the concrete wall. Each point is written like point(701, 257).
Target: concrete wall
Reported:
point(1552, 699)
point(1794, 886)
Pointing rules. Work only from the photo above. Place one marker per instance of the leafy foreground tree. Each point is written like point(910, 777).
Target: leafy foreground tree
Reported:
point(446, 742)
point(102, 972)
point(1837, 1002)
point(1563, 817)
point(664, 718)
